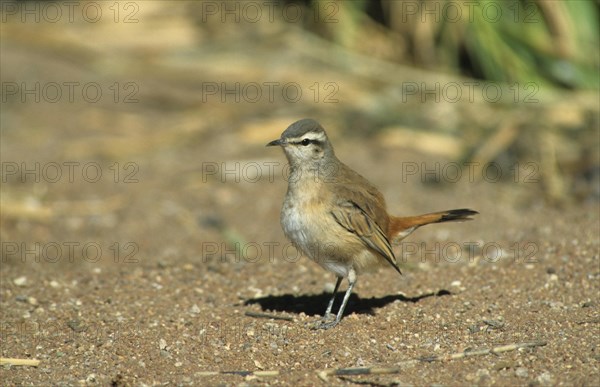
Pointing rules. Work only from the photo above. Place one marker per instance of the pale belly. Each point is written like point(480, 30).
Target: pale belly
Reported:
point(323, 240)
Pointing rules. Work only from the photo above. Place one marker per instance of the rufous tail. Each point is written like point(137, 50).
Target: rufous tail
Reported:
point(401, 227)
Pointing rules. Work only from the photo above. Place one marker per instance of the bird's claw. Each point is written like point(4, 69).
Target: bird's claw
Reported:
point(326, 322)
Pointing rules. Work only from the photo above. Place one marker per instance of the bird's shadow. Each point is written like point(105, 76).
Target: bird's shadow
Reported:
point(315, 304)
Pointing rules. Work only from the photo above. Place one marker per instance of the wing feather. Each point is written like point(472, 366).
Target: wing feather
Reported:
point(354, 219)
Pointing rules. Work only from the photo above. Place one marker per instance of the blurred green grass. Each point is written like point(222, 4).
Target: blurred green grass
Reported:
point(552, 43)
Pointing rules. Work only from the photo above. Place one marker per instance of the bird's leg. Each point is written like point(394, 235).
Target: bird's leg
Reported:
point(338, 318)
point(330, 305)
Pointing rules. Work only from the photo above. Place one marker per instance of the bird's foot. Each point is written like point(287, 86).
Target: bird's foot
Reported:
point(326, 322)
point(327, 325)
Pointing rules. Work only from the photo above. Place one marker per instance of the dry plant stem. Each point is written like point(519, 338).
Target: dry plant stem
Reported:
point(19, 362)
point(323, 374)
point(269, 316)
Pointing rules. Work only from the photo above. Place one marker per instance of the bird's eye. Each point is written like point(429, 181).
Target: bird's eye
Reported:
point(305, 142)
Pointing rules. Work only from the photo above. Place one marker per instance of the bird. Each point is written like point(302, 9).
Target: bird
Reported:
point(336, 217)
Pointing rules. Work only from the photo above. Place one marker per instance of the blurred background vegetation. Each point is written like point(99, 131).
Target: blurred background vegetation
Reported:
point(511, 82)
point(531, 47)
point(552, 43)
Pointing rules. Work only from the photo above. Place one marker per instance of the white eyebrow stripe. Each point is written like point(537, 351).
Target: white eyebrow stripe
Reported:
point(315, 136)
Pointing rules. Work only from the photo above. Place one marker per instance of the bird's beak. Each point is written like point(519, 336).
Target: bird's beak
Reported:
point(276, 142)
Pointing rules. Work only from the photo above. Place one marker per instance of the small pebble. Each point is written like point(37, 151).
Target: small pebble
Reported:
point(501, 365)
point(545, 379)
point(483, 373)
point(329, 286)
point(162, 344)
point(494, 324)
point(77, 325)
point(522, 372)
point(21, 281)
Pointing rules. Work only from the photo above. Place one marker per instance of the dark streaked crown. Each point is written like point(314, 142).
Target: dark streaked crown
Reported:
point(300, 128)
point(303, 132)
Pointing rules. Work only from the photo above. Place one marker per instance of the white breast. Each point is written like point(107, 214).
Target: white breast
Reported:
point(298, 225)
point(295, 226)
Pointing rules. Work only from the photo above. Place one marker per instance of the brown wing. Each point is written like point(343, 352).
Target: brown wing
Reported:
point(354, 219)
point(354, 188)
point(360, 209)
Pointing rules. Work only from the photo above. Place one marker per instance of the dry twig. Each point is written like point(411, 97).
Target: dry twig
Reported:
point(19, 362)
point(324, 374)
point(268, 315)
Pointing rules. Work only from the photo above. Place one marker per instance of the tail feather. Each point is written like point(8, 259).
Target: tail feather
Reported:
point(459, 215)
point(400, 227)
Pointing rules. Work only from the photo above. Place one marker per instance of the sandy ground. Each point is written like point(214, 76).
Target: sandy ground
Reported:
point(156, 270)
point(174, 304)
